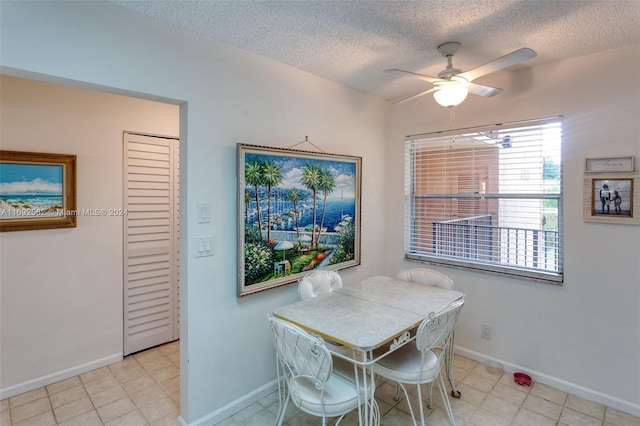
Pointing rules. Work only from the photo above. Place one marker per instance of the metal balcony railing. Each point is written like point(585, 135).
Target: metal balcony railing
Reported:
point(476, 238)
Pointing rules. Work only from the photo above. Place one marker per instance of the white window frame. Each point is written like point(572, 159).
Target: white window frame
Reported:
point(530, 240)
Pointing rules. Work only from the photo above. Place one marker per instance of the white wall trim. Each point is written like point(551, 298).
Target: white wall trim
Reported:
point(58, 376)
point(234, 406)
point(563, 385)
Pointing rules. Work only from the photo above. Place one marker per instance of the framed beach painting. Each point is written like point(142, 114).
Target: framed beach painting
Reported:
point(297, 211)
point(37, 191)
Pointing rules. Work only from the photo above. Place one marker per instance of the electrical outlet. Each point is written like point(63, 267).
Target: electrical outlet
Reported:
point(486, 331)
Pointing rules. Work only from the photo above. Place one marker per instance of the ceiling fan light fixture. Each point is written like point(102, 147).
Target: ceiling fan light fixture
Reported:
point(450, 93)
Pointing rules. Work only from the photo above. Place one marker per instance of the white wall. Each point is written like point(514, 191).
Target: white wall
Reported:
point(229, 96)
point(61, 306)
point(584, 336)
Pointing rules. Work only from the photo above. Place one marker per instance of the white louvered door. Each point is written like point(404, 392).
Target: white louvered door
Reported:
point(151, 278)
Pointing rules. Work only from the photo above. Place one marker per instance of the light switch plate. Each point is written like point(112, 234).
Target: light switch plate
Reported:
point(203, 246)
point(204, 213)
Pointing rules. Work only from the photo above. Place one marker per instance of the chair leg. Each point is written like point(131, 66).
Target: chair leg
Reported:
point(406, 395)
point(396, 397)
point(283, 393)
point(280, 417)
point(429, 400)
point(280, 384)
point(376, 413)
point(421, 405)
point(445, 399)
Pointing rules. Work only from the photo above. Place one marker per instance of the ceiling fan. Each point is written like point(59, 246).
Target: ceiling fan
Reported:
point(452, 85)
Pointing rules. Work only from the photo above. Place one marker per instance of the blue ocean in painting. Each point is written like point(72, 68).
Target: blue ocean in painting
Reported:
point(282, 217)
point(290, 171)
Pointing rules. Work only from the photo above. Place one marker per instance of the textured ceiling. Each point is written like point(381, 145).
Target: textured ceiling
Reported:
point(352, 42)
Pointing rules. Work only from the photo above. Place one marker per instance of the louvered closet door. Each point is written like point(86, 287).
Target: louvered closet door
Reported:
point(150, 242)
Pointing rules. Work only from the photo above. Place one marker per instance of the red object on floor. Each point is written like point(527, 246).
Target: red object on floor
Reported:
point(522, 379)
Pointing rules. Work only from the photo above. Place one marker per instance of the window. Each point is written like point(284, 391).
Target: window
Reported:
point(487, 198)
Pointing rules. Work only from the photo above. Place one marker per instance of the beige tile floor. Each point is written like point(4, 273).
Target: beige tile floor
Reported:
point(487, 400)
point(144, 390)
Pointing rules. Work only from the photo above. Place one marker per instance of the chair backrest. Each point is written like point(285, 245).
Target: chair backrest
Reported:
point(435, 330)
point(303, 355)
point(427, 277)
point(318, 282)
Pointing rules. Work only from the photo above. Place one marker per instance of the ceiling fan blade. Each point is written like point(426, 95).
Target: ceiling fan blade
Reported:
point(480, 90)
point(403, 100)
point(403, 73)
point(512, 58)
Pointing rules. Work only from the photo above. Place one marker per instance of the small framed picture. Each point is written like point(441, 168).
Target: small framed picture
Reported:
point(611, 199)
point(37, 191)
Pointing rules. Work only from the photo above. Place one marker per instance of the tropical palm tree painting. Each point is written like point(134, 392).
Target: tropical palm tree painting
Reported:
point(299, 211)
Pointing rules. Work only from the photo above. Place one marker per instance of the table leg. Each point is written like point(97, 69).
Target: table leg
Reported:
point(374, 413)
point(449, 364)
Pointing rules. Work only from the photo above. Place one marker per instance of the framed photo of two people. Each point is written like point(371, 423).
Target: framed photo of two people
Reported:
point(612, 198)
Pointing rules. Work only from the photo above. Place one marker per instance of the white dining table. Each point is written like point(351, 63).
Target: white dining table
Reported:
point(375, 314)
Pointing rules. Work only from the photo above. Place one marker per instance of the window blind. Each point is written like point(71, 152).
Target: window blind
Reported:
point(487, 198)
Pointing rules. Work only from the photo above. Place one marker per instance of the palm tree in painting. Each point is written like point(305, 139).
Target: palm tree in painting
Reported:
point(311, 179)
point(247, 200)
point(294, 197)
point(327, 184)
point(253, 177)
point(271, 176)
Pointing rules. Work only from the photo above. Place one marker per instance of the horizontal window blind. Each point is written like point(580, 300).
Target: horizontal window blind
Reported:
point(488, 198)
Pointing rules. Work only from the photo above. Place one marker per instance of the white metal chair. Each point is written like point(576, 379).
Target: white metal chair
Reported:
point(427, 277)
point(421, 361)
point(306, 367)
point(433, 278)
point(318, 282)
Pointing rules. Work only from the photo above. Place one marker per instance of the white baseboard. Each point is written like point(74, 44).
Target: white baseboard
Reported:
point(234, 406)
point(58, 376)
point(629, 407)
